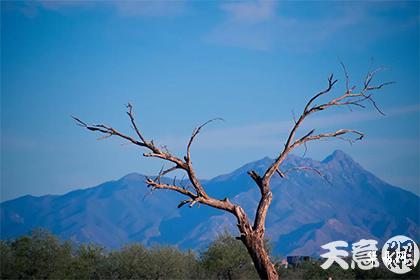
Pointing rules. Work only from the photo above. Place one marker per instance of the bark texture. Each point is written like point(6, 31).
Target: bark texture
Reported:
point(260, 257)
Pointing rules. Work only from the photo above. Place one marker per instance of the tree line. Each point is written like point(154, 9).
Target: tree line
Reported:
point(41, 255)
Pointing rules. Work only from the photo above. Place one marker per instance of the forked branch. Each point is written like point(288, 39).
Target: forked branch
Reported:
point(155, 151)
point(349, 98)
point(251, 235)
point(303, 168)
point(195, 133)
point(195, 195)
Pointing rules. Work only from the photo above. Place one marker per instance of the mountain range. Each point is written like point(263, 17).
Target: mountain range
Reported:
point(307, 211)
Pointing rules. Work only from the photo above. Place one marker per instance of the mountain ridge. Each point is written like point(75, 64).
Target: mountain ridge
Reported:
point(306, 209)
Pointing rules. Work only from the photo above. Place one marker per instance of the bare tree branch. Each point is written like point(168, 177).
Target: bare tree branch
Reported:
point(307, 168)
point(196, 132)
point(251, 235)
point(348, 98)
point(346, 74)
point(198, 195)
point(331, 83)
point(165, 172)
point(156, 185)
point(281, 174)
point(310, 137)
point(133, 122)
point(154, 150)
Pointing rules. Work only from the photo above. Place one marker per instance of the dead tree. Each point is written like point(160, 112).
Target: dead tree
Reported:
point(251, 232)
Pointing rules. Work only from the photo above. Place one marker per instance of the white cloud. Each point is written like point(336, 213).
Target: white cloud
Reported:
point(255, 25)
point(60, 4)
point(149, 8)
point(250, 11)
point(259, 25)
point(125, 8)
point(270, 134)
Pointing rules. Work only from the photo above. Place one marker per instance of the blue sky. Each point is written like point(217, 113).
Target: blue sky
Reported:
point(183, 62)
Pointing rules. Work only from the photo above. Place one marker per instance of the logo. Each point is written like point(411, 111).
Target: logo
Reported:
point(400, 254)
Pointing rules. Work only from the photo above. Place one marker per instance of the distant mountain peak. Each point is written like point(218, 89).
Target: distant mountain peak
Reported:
point(262, 163)
point(338, 156)
point(306, 212)
point(132, 176)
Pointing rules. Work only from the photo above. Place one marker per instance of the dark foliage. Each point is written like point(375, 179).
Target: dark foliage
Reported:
point(42, 255)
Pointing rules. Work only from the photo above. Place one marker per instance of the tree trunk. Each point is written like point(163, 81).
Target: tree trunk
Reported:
point(260, 257)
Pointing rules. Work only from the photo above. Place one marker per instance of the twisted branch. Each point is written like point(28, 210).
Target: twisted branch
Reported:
point(197, 194)
point(348, 98)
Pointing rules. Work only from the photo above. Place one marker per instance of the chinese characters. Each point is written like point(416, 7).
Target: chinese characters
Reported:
point(400, 254)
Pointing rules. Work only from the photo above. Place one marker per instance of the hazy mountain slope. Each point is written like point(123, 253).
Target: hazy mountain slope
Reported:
point(112, 214)
point(307, 210)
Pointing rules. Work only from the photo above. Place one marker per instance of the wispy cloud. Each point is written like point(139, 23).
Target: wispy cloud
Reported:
point(247, 24)
point(61, 5)
point(149, 8)
point(256, 25)
point(250, 12)
point(262, 25)
point(127, 8)
point(265, 134)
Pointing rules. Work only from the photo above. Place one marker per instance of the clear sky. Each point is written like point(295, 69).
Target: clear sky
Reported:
point(183, 62)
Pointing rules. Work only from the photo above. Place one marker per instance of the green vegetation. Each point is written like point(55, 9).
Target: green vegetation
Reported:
point(227, 258)
point(41, 255)
point(312, 270)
